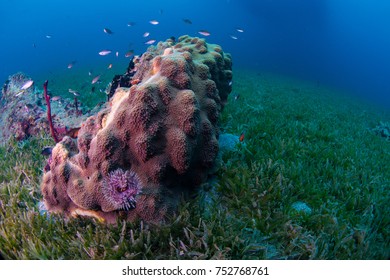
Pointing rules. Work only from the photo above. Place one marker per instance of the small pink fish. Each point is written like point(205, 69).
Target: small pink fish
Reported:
point(94, 81)
point(109, 66)
point(117, 54)
point(146, 34)
point(55, 98)
point(204, 33)
point(233, 37)
point(27, 84)
point(154, 22)
point(240, 30)
point(104, 52)
point(150, 42)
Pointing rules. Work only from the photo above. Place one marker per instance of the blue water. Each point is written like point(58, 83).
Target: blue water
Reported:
point(338, 43)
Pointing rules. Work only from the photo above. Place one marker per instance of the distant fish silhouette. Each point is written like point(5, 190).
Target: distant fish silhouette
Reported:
point(187, 21)
point(129, 53)
point(108, 31)
point(70, 65)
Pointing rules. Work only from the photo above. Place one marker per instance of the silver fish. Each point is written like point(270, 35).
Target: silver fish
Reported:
point(94, 81)
point(75, 93)
point(108, 31)
point(204, 33)
point(104, 52)
point(27, 84)
point(150, 42)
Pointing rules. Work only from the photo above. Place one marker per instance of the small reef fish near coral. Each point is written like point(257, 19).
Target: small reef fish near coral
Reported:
point(74, 92)
point(204, 33)
point(129, 53)
point(24, 87)
point(150, 42)
point(104, 52)
point(27, 84)
point(95, 80)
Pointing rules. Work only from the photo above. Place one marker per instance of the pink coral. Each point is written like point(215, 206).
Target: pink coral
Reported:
point(164, 129)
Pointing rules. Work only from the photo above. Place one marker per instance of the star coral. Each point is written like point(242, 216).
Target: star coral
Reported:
point(164, 129)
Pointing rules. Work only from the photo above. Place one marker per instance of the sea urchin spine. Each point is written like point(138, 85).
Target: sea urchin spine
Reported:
point(120, 189)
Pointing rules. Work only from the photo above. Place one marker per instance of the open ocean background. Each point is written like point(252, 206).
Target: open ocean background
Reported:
point(342, 44)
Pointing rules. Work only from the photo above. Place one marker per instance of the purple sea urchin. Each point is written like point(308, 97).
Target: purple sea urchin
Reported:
point(120, 189)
